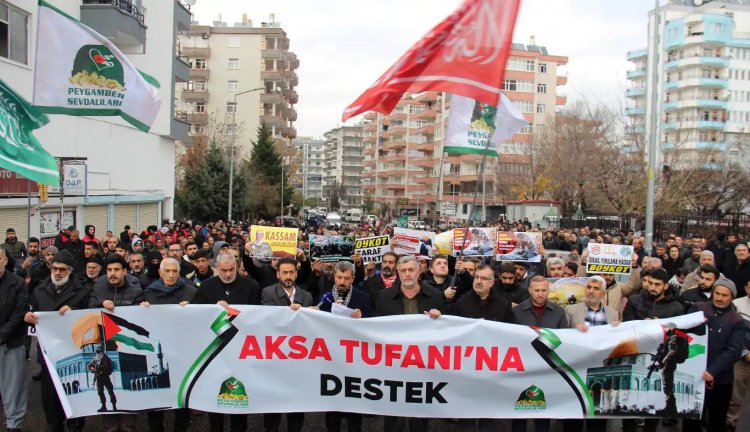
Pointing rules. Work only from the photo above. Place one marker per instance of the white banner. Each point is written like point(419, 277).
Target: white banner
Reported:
point(259, 359)
point(472, 124)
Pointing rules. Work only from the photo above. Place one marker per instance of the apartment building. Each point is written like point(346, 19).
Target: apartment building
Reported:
point(403, 150)
point(702, 80)
point(127, 176)
point(240, 75)
point(343, 165)
point(310, 169)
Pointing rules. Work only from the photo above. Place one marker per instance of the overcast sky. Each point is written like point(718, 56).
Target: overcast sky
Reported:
point(345, 45)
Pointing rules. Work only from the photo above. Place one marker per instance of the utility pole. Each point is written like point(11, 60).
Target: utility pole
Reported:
point(231, 150)
point(655, 75)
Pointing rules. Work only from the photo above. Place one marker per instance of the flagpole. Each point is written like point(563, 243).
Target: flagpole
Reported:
point(438, 201)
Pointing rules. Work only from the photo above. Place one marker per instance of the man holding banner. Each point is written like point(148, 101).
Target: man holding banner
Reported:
point(387, 278)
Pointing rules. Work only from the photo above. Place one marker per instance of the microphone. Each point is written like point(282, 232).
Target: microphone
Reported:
point(327, 298)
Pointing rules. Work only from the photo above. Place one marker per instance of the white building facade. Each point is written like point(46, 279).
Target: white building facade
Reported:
point(129, 174)
point(311, 168)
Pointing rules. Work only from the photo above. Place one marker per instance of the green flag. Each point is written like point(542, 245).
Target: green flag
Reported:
point(20, 151)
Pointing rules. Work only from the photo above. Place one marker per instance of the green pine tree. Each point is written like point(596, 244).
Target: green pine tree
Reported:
point(265, 162)
point(204, 196)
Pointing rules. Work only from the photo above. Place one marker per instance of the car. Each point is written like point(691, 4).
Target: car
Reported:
point(371, 219)
point(333, 219)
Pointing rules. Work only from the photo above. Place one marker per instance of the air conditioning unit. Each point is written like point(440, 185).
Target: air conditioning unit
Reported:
point(204, 35)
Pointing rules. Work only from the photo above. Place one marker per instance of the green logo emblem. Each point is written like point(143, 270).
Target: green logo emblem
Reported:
point(531, 399)
point(232, 394)
point(625, 251)
point(97, 66)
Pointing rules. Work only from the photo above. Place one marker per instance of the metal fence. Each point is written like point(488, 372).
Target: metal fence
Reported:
point(685, 225)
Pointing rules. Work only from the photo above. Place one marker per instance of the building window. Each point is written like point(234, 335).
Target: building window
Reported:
point(233, 86)
point(541, 108)
point(233, 64)
point(233, 42)
point(14, 39)
point(200, 107)
point(541, 88)
point(231, 108)
point(199, 86)
point(543, 68)
point(510, 85)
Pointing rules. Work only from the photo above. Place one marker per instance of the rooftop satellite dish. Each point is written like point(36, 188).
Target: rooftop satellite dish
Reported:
point(190, 2)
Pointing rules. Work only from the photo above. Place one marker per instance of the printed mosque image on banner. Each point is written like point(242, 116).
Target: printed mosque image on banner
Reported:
point(115, 350)
point(644, 384)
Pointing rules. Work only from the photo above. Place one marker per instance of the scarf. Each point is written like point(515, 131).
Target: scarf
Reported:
point(159, 286)
point(388, 281)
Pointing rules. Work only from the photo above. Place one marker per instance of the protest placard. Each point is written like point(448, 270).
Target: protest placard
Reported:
point(373, 248)
point(413, 242)
point(331, 248)
point(273, 242)
point(480, 243)
point(609, 258)
point(519, 246)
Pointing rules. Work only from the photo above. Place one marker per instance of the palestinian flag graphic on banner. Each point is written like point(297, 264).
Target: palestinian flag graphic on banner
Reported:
point(121, 330)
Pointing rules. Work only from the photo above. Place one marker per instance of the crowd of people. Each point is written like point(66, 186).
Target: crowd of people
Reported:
point(190, 263)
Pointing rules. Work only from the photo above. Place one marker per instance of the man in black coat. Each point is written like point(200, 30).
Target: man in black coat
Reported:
point(707, 276)
point(737, 267)
point(483, 301)
point(60, 292)
point(169, 289)
point(408, 298)
point(656, 302)
point(386, 279)
point(508, 287)
point(227, 288)
point(13, 387)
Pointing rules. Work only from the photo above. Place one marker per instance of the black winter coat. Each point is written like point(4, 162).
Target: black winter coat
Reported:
point(390, 301)
point(243, 291)
point(726, 338)
point(641, 306)
point(372, 286)
point(14, 302)
point(495, 308)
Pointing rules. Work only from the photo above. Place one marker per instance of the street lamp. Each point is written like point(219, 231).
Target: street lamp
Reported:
point(231, 151)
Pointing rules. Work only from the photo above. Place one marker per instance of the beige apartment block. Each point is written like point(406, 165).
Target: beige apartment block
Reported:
point(242, 75)
point(402, 150)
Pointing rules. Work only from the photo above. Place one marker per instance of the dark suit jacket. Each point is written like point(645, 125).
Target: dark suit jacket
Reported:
point(390, 301)
point(275, 295)
point(243, 291)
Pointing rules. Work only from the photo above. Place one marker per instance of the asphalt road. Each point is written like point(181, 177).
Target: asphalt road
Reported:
point(314, 422)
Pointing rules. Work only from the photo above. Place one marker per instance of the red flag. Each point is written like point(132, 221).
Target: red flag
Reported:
point(465, 54)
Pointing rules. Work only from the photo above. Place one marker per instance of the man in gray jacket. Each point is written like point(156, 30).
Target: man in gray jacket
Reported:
point(538, 311)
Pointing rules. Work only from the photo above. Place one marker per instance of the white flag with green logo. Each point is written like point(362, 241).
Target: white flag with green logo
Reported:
point(474, 126)
point(80, 72)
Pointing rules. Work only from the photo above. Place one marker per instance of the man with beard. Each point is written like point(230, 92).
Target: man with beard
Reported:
point(170, 288)
point(203, 270)
point(321, 280)
point(265, 270)
point(76, 249)
point(15, 250)
point(702, 293)
point(386, 279)
point(34, 259)
point(136, 245)
point(136, 266)
point(89, 249)
point(655, 303)
point(693, 262)
point(175, 251)
point(344, 294)
point(507, 285)
point(13, 387)
point(616, 293)
point(555, 267)
point(115, 289)
point(110, 245)
point(726, 339)
point(523, 276)
point(737, 267)
point(226, 288)
point(60, 292)
point(439, 278)
point(705, 258)
point(94, 266)
point(409, 298)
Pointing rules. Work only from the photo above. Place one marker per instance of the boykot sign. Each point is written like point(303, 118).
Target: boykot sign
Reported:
point(235, 362)
point(609, 258)
point(372, 248)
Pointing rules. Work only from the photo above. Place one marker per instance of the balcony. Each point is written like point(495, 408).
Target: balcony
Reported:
point(426, 114)
point(273, 98)
point(288, 132)
point(291, 96)
point(120, 21)
point(199, 119)
point(636, 54)
point(271, 75)
point(195, 51)
point(292, 114)
point(635, 129)
point(638, 73)
point(182, 16)
point(634, 111)
point(272, 120)
point(273, 54)
point(179, 126)
point(697, 61)
point(693, 103)
point(697, 82)
point(195, 96)
point(181, 69)
point(635, 92)
point(199, 74)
